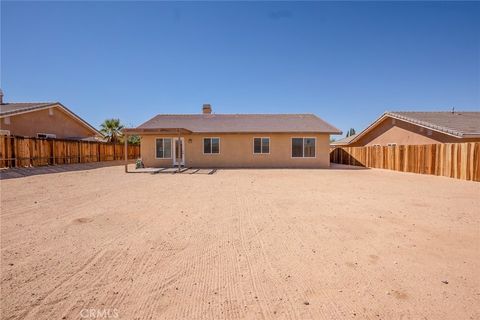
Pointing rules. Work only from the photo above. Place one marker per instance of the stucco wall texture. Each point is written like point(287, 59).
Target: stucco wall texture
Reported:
point(236, 151)
point(55, 121)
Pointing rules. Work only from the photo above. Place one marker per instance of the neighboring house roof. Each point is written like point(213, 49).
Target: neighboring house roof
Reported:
point(7, 109)
point(459, 124)
point(227, 123)
point(344, 141)
point(12, 109)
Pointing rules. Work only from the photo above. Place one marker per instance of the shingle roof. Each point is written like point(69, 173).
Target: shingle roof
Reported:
point(463, 123)
point(218, 123)
point(460, 124)
point(343, 141)
point(13, 108)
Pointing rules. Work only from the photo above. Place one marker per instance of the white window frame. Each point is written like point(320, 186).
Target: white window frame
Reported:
point(253, 145)
point(6, 120)
point(303, 148)
point(171, 148)
point(391, 144)
point(211, 153)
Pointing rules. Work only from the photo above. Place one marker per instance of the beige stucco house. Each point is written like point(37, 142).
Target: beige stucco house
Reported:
point(416, 128)
point(44, 120)
point(210, 140)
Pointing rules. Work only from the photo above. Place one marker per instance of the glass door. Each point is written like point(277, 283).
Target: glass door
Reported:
point(179, 152)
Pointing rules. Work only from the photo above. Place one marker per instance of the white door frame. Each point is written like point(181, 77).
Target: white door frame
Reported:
point(182, 162)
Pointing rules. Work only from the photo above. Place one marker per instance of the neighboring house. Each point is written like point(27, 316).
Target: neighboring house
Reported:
point(44, 120)
point(235, 140)
point(342, 142)
point(414, 128)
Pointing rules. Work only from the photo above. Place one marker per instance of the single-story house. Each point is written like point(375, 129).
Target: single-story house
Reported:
point(415, 128)
point(210, 140)
point(44, 120)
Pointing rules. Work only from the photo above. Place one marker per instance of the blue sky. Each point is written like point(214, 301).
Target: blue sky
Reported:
point(345, 61)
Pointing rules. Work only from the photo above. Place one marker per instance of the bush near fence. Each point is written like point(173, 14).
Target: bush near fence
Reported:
point(454, 160)
point(25, 152)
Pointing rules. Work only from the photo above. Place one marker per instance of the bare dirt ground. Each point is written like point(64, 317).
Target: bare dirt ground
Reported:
point(240, 244)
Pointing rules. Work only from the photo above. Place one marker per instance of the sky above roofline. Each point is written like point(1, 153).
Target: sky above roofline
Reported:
point(345, 62)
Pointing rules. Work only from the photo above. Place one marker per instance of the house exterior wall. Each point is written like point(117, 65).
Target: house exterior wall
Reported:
point(56, 122)
point(236, 151)
point(404, 133)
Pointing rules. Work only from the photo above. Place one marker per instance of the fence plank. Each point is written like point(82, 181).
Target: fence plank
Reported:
point(455, 160)
point(24, 152)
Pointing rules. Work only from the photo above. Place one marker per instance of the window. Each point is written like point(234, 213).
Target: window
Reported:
point(163, 148)
point(211, 145)
point(261, 145)
point(391, 144)
point(303, 147)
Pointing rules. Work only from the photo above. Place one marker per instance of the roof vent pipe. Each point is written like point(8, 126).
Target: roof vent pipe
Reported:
point(207, 108)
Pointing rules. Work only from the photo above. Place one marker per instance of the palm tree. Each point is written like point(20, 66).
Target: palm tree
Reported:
point(111, 128)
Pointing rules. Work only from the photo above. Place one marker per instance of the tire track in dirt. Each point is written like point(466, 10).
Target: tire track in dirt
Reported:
point(88, 264)
point(299, 288)
point(209, 260)
point(303, 272)
point(247, 222)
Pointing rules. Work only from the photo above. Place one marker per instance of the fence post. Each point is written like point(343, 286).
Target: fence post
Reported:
point(126, 154)
point(79, 152)
point(14, 151)
point(53, 151)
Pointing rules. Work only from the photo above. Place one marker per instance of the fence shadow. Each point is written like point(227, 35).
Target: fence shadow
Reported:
point(337, 166)
point(12, 173)
point(340, 156)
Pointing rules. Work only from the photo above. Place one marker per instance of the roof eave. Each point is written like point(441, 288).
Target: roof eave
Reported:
point(140, 131)
point(50, 105)
point(393, 115)
point(183, 130)
point(427, 125)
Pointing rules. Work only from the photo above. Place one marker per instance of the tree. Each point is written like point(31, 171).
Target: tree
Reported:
point(135, 140)
point(111, 129)
point(350, 132)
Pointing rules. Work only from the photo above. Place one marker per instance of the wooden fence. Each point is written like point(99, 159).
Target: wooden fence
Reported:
point(25, 152)
point(454, 160)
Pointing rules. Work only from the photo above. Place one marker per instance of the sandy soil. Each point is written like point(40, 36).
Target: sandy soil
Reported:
point(250, 244)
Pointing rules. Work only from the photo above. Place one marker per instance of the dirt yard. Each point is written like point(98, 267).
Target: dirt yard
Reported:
point(240, 244)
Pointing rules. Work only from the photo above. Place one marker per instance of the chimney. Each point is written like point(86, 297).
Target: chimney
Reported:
point(1, 96)
point(207, 108)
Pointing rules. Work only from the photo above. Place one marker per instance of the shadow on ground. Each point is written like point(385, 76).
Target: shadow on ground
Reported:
point(336, 166)
point(12, 173)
